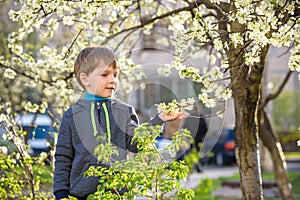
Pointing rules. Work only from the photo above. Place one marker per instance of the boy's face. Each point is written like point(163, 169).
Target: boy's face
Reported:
point(102, 81)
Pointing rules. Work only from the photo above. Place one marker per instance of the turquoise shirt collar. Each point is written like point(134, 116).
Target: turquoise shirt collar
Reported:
point(94, 97)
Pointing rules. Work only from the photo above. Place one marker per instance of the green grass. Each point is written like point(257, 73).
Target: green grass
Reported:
point(203, 191)
point(294, 178)
point(292, 155)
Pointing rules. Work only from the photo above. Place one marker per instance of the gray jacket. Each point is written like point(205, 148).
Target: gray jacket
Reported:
point(80, 126)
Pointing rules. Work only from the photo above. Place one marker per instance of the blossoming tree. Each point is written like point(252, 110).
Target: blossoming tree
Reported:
point(235, 34)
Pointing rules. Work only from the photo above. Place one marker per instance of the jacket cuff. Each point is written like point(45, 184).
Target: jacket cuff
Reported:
point(156, 121)
point(61, 194)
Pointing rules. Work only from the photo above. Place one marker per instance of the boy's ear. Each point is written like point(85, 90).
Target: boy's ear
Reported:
point(84, 79)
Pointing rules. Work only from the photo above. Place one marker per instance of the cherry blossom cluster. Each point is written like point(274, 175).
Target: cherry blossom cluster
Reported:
point(174, 107)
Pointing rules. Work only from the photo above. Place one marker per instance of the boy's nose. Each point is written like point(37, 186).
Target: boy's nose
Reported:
point(113, 79)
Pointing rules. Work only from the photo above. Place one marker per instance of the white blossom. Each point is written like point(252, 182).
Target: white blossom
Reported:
point(294, 60)
point(253, 56)
point(218, 44)
point(187, 104)
point(216, 73)
point(3, 150)
point(220, 115)
point(9, 73)
point(171, 108)
point(31, 84)
point(227, 94)
point(203, 97)
point(43, 156)
point(3, 118)
point(68, 20)
point(165, 71)
point(17, 49)
point(31, 107)
point(143, 86)
point(53, 24)
point(223, 93)
point(189, 72)
point(210, 103)
point(210, 86)
point(298, 142)
point(216, 1)
point(113, 16)
point(44, 106)
point(224, 65)
point(236, 39)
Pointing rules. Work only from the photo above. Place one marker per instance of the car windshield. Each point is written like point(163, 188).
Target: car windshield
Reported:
point(38, 132)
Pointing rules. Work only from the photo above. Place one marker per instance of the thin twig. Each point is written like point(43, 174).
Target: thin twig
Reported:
point(24, 74)
point(277, 93)
point(73, 42)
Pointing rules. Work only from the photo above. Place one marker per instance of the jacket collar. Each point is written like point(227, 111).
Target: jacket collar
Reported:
point(94, 97)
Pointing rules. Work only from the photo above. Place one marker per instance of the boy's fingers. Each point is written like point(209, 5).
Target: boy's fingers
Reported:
point(182, 115)
point(166, 117)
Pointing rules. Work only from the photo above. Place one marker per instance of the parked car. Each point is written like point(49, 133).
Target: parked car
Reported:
point(40, 132)
point(223, 151)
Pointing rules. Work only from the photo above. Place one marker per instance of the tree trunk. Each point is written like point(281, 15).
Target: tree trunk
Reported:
point(271, 141)
point(246, 85)
point(247, 151)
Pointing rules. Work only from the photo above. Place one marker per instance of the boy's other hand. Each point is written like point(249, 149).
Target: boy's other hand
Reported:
point(169, 117)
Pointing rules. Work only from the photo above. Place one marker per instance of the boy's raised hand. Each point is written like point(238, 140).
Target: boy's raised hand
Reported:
point(171, 117)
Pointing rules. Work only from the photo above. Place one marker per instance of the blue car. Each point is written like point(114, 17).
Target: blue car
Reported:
point(40, 132)
point(224, 153)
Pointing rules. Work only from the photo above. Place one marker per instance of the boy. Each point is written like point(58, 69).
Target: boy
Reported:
point(96, 70)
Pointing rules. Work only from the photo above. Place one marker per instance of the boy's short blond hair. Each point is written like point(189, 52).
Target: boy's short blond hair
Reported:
point(92, 57)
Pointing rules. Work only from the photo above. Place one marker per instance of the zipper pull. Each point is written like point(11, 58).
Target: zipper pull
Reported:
point(98, 105)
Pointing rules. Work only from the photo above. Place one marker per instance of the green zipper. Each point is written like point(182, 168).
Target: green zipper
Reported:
point(107, 122)
point(106, 119)
point(93, 119)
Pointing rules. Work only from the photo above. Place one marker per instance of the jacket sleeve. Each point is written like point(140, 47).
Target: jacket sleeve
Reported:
point(132, 123)
point(156, 121)
point(63, 159)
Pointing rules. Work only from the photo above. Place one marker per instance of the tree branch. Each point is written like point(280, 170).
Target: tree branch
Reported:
point(31, 77)
point(73, 42)
point(277, 93)
point(23, 73)
point(145, 22)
